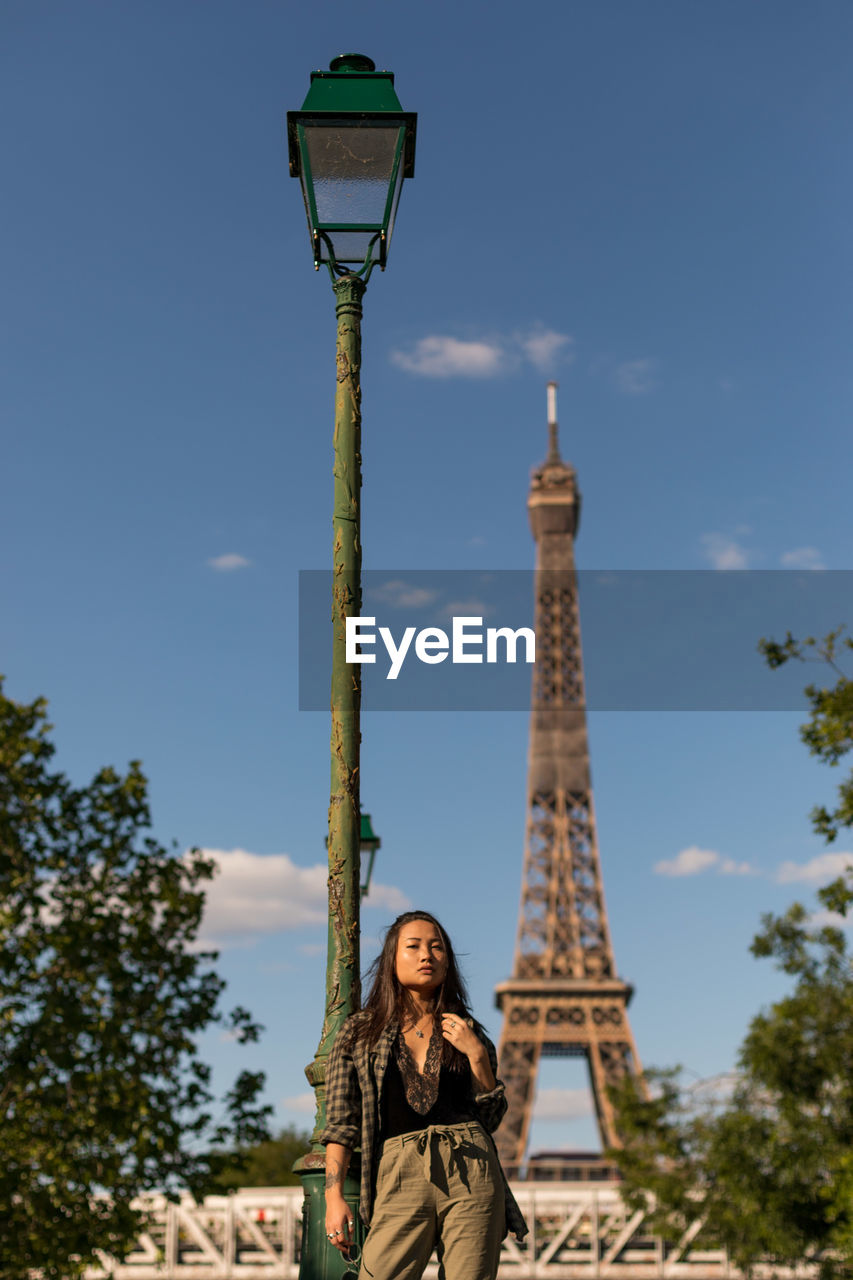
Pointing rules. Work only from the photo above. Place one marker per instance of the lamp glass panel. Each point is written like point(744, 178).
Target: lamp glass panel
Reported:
point(350, 246)
point(395, 201)
point(351, 170)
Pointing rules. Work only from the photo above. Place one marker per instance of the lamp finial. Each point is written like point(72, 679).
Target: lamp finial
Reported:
point(352, 62)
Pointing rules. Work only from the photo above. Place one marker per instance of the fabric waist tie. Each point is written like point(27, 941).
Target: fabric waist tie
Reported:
point(428, 1142)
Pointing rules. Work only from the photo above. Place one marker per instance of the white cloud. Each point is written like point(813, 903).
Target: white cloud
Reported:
point(724, 552)
point(728, 867)
point(388, 897)
point(402, 595)
point(693, 861)
point(304, 1103)
point(471, 608)
point(443, 356)
point(546, 347)
point(562, 1104)
point(636, 377)
point(256, 894)
point(802, 558)
point(228, 563)
point(823, 867)
point(820, 919)
point(689, 862)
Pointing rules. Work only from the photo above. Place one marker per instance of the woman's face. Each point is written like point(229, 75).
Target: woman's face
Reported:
point(421, 957)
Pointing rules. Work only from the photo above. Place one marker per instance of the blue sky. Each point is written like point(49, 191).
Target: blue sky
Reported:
point(649, 203)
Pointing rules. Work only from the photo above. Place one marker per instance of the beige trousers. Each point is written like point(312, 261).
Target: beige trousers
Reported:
point(439, 1188)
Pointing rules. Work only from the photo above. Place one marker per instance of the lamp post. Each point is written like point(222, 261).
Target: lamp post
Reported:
point(351, 146)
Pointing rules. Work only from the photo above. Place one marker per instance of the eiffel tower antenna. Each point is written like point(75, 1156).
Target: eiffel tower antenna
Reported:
point(553, 429)
point(564, 998)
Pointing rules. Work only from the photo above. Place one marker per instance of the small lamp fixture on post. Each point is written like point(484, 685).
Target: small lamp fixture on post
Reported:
point(370, 842)
point(351, 146)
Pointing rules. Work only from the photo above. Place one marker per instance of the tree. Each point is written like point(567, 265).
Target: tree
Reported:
point(828, 732)
point(770, 1168)
point(103, 1094)
point(268, 1164)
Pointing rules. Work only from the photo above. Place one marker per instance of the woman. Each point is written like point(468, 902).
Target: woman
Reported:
point(411, 1080)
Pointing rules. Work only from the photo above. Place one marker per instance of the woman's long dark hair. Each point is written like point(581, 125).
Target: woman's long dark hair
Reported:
point(388, 1001)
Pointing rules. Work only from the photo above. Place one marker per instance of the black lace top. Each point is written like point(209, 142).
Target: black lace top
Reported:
point(411, 1100)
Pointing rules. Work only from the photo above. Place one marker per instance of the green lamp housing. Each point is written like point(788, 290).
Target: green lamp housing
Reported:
point(351, 146)
point(368, 844)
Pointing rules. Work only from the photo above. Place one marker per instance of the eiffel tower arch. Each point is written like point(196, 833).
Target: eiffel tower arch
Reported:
point(564, 997)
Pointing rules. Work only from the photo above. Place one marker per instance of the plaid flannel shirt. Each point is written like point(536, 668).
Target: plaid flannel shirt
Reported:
point(354, 1076)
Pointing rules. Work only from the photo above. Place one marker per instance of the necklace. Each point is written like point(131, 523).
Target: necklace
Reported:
point(418, 1032)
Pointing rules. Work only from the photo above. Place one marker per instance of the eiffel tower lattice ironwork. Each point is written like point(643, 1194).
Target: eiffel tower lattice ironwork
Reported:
point(564, 997)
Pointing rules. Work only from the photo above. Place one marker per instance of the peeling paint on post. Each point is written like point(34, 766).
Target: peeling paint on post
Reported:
point(343, 986)
point(343, 982)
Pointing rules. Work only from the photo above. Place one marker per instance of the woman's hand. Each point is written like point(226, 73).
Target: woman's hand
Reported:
point(340, 1220)
point(340, 1223)
point(462, 1036)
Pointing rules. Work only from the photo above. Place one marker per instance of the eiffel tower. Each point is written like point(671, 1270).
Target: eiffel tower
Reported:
point(564, 997)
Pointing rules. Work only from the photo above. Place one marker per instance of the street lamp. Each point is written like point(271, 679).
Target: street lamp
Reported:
point(369, 842)
point(352, 146)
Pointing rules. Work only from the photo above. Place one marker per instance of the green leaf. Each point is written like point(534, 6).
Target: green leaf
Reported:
point(102, 996)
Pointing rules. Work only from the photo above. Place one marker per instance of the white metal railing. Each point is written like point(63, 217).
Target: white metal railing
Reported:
point(577, 1232)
